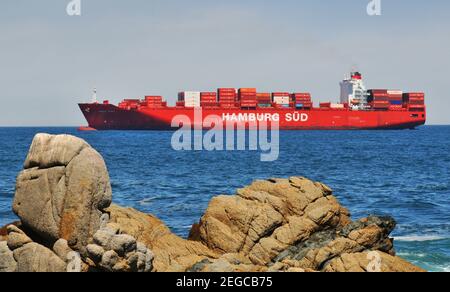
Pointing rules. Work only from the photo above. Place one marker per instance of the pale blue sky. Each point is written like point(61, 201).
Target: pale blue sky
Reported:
point(49, 61)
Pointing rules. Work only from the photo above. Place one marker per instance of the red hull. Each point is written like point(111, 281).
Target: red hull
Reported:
point(110, 117)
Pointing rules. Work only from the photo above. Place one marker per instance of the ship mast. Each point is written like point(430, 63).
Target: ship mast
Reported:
point(94, 96)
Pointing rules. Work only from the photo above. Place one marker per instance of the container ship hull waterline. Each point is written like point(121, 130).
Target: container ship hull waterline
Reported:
point(359, 109)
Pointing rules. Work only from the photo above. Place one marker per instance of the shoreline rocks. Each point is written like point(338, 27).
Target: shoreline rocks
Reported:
point(67, 223)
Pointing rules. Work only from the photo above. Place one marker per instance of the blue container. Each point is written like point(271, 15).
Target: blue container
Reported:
point(396, 102)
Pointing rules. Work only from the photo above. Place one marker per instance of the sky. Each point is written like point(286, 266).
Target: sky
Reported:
point(51, 61)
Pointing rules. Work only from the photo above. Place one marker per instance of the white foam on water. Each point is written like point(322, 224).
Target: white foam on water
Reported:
point(410, 254)
point(419, 238)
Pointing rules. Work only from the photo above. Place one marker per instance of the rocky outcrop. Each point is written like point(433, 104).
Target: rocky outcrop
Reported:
point(292, 224)
point(67, 223)
point(63, 189)
point(172, 253)
point(61, 197)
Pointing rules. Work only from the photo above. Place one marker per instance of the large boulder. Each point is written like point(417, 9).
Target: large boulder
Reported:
point(292, 225)
point(267, 217)
point(63, 190)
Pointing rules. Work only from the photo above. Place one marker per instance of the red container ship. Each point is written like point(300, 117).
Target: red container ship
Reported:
point(358, 109)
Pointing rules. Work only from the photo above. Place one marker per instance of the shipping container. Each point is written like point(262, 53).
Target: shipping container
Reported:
point(226, 90)
point(247, 90)
point(278, 99)
point(153, 98)
point(337, 106)
point(377, 91)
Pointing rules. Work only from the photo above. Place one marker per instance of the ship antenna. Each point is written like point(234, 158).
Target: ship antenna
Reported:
point(94, 96)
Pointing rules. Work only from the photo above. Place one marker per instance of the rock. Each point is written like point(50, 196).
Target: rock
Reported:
point(16, 237)
point(95, 252)
point(148, 261)
point(33, 257)
point(361, 262)
point(142, 248)
point(109, 260)
point(290, 225)
point(7, 261)
point(103, 237)
point(123, 243)
point(171, 253)
point(62, 250)
point(267, 217)
point(63, 190)
point(120, 243)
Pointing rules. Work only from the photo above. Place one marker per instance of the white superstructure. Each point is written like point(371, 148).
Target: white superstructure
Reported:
point(354, 92)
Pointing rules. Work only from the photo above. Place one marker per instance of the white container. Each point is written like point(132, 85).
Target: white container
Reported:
point(395, 92)
point(337, 105)
point(191, 98)
point(281, 99)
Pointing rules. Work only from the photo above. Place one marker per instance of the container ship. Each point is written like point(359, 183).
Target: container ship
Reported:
point(359, 109)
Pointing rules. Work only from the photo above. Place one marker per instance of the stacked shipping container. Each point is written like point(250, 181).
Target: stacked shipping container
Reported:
point(153, 102)
point(415, 100)
point(247, 97)
point(395, 99)
point(378, 98)
point(227, 97)
point(281, 99)
point(190, 98)
point(208, 99)
point(302, 100)
point(264, 99)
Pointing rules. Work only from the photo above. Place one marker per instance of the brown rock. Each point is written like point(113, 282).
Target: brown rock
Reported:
point(7, 261)
point(33, 257)
point(16, 237)
point(267, 217)
point(63, 190)
point(361, 262)
point(171, 253)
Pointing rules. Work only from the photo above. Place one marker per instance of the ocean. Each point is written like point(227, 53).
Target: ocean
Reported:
point(405, 174)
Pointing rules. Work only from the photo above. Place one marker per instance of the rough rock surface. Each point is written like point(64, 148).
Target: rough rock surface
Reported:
point(34, 257)
point(7, 261)
point(172, 253)
point(63, 189)
point(67, 223)
point(295, 223)
point(113, 251)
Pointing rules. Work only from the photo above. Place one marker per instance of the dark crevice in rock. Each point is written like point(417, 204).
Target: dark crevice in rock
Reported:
point(198, 267)
point(299, 250)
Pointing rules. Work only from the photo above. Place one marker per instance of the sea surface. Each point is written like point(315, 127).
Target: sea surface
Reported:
point(405, 174)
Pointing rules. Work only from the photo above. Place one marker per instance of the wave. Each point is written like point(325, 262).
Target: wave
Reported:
point(411, 254)
point(419, 238)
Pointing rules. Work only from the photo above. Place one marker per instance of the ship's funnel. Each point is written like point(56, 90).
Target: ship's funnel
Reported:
point(356, 75)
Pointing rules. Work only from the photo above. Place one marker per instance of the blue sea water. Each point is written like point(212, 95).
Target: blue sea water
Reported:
point(405, 174)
